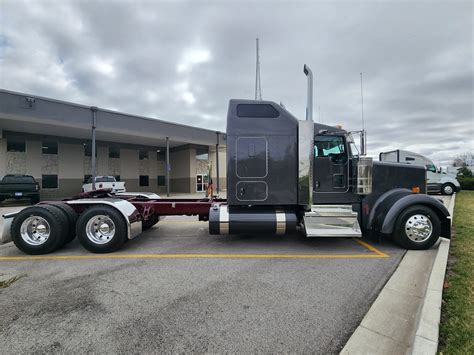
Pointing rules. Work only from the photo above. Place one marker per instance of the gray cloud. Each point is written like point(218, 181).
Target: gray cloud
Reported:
point(182, 61)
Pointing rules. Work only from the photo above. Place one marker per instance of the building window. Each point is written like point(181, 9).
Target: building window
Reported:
point(143, 154)
point(114, 152)
point(88, 150)
point(49, 147)
point(161, 180)
point(144, 180)
point(49, 181)
point(15, 144)
point(202, 154)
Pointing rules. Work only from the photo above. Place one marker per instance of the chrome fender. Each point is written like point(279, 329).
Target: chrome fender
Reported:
point(6, 237)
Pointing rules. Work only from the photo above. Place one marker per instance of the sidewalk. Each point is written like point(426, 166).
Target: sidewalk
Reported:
point(404, 318)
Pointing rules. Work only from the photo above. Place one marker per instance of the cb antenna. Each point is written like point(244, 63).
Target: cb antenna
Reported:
point(258, 83)
point(363, 146)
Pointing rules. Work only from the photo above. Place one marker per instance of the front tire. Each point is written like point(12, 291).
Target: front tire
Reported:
point(101, 229)
point(448, 189)
point(39, 229)
point(417, 228)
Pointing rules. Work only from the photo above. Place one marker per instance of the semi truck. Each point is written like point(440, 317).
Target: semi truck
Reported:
point(284, 175)
point(436, 180)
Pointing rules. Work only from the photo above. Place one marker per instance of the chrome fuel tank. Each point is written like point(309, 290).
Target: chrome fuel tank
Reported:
point(224, 219)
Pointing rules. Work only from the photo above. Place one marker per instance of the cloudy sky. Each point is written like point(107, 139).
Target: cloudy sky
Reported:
point(182, 61)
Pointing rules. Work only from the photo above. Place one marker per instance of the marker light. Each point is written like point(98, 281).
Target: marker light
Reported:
point(415, 189)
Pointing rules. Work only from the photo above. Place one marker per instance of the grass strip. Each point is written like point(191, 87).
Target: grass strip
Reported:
point(457, 314)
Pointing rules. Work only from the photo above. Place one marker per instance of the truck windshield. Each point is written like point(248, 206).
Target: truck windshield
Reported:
point(431, 167)
point(353, 150)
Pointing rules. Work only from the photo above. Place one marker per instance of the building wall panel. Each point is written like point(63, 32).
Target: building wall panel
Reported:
point(129, 164)
point(102, 160)
point(71, 161)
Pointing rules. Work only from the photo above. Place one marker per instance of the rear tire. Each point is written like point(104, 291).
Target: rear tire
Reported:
point(448, 189)
point(71, 217)
point(154, 219)
point(39, 229)
point(101, 229)
point(417, 228)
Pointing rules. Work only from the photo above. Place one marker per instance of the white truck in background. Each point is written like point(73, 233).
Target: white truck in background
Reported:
point(436, 181)
point(104, 182)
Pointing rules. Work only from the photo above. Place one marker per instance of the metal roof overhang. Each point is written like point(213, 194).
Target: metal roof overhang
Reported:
point(32, 114)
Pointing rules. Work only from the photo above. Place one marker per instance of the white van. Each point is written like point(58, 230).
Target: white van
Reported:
point(436, 180)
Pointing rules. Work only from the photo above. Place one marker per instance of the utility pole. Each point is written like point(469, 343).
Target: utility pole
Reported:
point(258, 83)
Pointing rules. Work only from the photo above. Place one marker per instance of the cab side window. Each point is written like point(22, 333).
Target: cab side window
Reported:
point(330, 147)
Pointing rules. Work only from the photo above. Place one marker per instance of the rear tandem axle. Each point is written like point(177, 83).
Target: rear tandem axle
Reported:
point(102, 222)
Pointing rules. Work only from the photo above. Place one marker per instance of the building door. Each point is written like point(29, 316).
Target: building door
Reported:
point(201, 182)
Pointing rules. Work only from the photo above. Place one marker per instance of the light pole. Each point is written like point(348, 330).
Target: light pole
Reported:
point(93, 160)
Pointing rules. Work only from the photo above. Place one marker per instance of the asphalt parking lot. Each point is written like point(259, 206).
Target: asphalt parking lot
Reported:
point(176, 288)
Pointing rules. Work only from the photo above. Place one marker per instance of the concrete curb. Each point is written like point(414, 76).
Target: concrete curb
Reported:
point(427, 332)
point(404, 319)
point(451, 207)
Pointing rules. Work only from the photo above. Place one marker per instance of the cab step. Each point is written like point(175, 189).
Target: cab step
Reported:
point(331, 221)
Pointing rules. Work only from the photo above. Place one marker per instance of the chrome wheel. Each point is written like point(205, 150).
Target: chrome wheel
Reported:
point(418, 228)
point(35, 230)
point(100, 229)
point(448, 190)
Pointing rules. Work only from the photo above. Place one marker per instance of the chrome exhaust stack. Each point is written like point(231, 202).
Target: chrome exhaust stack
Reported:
point(305, 148)
point(309, 105)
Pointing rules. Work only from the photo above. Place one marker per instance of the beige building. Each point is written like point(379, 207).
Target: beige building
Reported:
point(51, 140)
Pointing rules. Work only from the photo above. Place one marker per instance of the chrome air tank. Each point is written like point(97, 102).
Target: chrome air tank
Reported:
point(224, 219)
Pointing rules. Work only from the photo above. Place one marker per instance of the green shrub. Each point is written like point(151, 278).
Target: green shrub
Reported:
point(467, 183)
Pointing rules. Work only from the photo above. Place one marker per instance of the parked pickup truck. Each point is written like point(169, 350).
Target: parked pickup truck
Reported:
point(104, 182)
point(19, 187)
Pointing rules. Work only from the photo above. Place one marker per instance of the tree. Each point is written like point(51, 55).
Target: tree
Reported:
point(464, 159)
point(464, 171)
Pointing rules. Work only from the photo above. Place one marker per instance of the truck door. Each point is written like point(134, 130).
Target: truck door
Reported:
point(433, 178)
point(331, 165)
